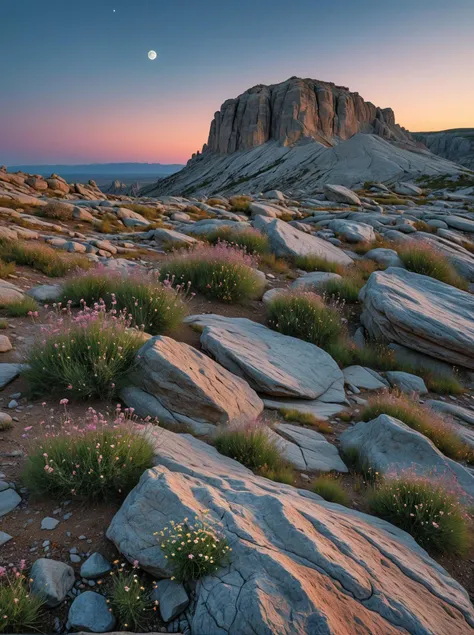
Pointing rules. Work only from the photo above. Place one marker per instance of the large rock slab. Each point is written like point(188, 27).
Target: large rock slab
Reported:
point(298, 564)
point(316, 451)
point(390, 446)
point(272, 363)
point(178, 384)
point(420, 313)
point(286, 240)
point(340, 194)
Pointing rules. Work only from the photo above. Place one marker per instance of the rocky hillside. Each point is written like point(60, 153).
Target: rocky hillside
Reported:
point(455, 145)
point(297, 135)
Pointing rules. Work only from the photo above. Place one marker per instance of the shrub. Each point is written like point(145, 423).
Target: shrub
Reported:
point(311, 262)
point(20, 610)
point(354, 279)
point(253, 241)
point(421, 419)
point(6, 269)
point(240, 203)
point(423, 259)
point(86, 355)
point(424, 509)
point(215, 201)
point(149, 304)
point(108, 226)
point(21, 308)
point(358, 464)
point(278, 265)
point(305, 418)
point(150, 213)
point(330, 489)
point(99, 460)
point(441, 384)
point(130, 601)
point(56, 211)
point(220, 272)
point(3, 324)
point(303, 315)
point(42, 258)
point(202, 553)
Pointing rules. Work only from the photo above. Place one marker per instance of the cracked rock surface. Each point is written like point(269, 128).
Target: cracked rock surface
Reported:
point(299, 564)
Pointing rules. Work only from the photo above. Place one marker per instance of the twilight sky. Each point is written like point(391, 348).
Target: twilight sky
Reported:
point(76, 85)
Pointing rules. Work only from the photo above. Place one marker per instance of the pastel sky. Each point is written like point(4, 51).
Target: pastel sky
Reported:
point(76, 85)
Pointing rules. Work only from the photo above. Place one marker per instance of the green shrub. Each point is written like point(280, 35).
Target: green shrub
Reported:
point(220, 272)
point(87, 355)
point(20, 610)
point(204, 551)
point(330, 489)
point(306, 418)
point(149, 304)
point(421, 419)
point(56, 211)
point(6, 269)
point(304, 316)
point(441, 384)
point(130, 601)
point(425, 510)
point(253, 241)
point(277, 265)
point(354, 279)
point(99, 461)
point(311, 262)
point(240, 203)
point(150, 213)
point(42, 258)
point(3, 324)
point(21, 308)
point(427, 261)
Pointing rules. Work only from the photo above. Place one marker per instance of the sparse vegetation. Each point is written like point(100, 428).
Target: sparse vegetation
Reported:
point(56, 211)
point(426, 260)
point(306, 418)
point(312, 262)
point(21, 308)
point(148, 212)
point(130, 600)
point(220, 272)
point(240, 203)
point(329, 488)
point(424, 509)
point(354, 279)
point(6, 269)
point(42, 258)
point(253, 241)
point(20, 610)
point(422, 419)
point(277, 265)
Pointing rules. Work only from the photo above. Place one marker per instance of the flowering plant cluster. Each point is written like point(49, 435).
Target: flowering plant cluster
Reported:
point(130, 599)
point(222, 272)
point(97, 459)
point(193, 550)
point(20, 610)
point(425, 508)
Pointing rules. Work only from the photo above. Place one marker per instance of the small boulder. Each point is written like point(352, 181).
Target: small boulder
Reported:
point(90, 613)
point(95, 566)
point(406, 382)
point(171, 597)
point(52, 580)
point(341, 194)
point(9, 500)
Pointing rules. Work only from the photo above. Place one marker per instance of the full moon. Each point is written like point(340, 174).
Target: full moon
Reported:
point(152, 55)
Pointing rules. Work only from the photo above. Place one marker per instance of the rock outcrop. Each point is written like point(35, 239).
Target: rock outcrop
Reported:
point(456, 145)
point(298, 564)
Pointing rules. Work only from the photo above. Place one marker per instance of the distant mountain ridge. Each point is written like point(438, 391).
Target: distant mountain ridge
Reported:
point(109, 169)
point(456, 144)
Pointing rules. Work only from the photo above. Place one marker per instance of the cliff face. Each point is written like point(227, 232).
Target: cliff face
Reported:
point(295, 110)
point(456, 145)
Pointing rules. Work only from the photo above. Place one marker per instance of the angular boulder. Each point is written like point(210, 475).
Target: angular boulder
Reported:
point(178, 384)
point(340, 194)
point(298, 564)
point(272, 363)
point(286, 240)
point(421, 313)
point(52, 580)
point(390, 446)
point(90, 613)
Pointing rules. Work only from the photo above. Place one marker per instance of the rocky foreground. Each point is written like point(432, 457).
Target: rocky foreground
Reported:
point(299, 564)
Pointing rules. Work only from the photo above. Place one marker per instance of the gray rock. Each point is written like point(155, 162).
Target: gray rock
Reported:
point(8, 372)
point(4, 538)
point(179, 384)
point(171, 597)
point(408, 189)
point(459, 412)
point(364, 378)
point(315, 281)
point(286, 240)
point(49, 523)
point(95, 566)
point(406, 382)
point(9, 500)
point(340, 194)
point(421, 313)
point(392, 447)
point(314, 452)
point(352, 231)
point(52, 580)
point(90, 613)
point(271, 294)
point(272, 363)
point(385, 257)
point(340, 561)
point(9, 293)
point(173, 237)
point(45, 292)
point(319, 409)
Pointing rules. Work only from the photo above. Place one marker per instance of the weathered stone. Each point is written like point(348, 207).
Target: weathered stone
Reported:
point(385, 257)
point(52, 580)
point(348, 568)
point(171, 597)
point(315, 450)
point(45, 292)
point(364, 378)
point(90, 613)
point(9, 293)
point(4, 538)
point(340, 194)
point(8, 372)
point(5, 344)
point(9, 500)
point(95, 566)
point(315, 281)
point(406, 382)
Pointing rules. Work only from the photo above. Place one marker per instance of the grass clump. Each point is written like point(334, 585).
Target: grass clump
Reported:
point(3, 324)
point(56, 211)
point(428, 261)
point(41, 258)
point(130, 601)
point(220, 272)
point(253, 241)
point(99, 460)
point(21, 308)
point(20, 610)
point(359, 465)
point(277, 265)
point(240, 203)
point(305, 418)
point(354, 279)
point(304, 315)
point(149, 304)
point(150, 213)
point(6, 269)
point(421, 419)
point(329, 488)
point(204, 552)
point(87, 355)
point(426, 510)
point(311, 262)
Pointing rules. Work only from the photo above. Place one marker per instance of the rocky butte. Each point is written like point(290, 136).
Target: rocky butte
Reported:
point(297, 135)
